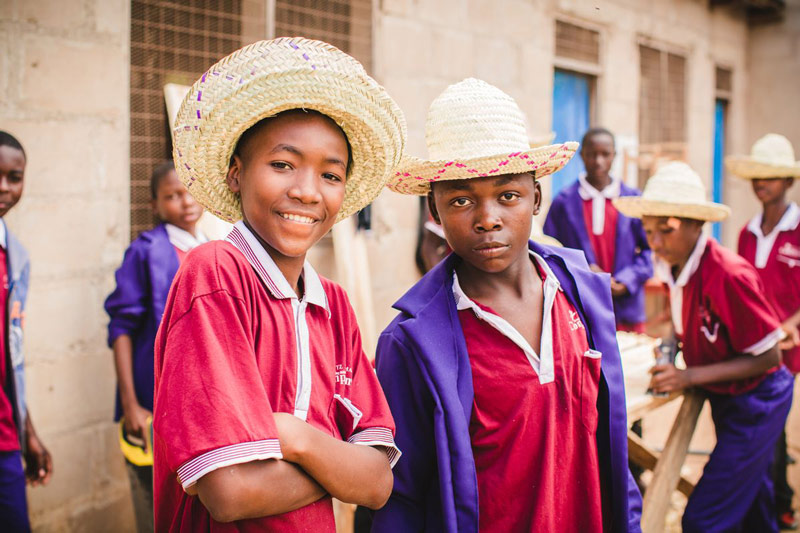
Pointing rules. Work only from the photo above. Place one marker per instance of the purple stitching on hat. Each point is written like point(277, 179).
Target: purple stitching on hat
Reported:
point(187, 166)
point(198, 113)
point(203, 79)
point(199, 94)
point(291, 43)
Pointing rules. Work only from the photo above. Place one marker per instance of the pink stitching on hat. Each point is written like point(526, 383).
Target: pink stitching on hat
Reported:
point(449, 163)
point(460, 165)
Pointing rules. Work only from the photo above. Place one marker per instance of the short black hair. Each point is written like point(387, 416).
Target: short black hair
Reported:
point(252, 130)
point(159, 173)
point(592, 132)
point(6, 139)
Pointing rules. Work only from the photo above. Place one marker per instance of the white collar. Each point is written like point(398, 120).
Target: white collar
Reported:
point(588, 192)
point(247, 243)
point(182, 239)
point(542, 364)
point(764, 243)
point(3, 234)
point(664, 272)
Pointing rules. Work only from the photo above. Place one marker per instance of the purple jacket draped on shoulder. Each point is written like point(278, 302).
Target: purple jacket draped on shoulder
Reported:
point(137, 304)
point(423, 366)
point(633, 264)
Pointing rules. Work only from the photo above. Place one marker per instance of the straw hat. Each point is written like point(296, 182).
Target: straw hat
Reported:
point(474, 130)
point(772, 156)
point(675, 190)
point(265, 78)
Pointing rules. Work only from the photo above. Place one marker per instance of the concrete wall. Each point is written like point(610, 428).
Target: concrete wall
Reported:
point(64, 94)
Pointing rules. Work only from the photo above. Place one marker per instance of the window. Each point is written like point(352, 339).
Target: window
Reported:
point(662, 97)
point(575, 42)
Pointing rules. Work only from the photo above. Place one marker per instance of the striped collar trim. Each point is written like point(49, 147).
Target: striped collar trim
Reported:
point(247, 243)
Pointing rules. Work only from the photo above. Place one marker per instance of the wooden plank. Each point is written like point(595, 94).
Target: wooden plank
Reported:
point(637, 410)
point(667, 472)
point(642, 455)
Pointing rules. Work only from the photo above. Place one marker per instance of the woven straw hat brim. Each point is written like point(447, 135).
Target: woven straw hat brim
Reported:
point(266, 78)
point(414, 175)
point(637, 207)
point(746, 167)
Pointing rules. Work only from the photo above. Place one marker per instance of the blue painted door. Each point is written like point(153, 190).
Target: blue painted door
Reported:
point(571, 112)
point(719, 155)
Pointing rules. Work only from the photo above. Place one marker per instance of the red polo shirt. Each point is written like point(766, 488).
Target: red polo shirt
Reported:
point(9, 440)
point(236, 345)
point(776, 258)
point(534, 419)
point(603, 245)
point(724, 314)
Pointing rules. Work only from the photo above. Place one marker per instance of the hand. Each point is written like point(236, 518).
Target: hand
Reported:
point(668, 378)
point(792, 338)
point(38, 463)
point(135, 421)
point(293, 434)
point(595, 268)
point(618, 289)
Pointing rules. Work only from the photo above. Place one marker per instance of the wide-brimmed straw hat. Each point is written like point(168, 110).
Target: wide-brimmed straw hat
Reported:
point(475, 130)
point(772, 156)
point(265, 78)
point(675, 190)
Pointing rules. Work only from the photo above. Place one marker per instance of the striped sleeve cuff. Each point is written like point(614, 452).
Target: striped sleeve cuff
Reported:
point(244, 452)
point(766, 343)
point(378, 436)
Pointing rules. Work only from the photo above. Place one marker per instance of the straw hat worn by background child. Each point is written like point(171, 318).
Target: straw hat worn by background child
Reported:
point(257, 354)
point(446, 355)
point(729, 337)
point(770, 241)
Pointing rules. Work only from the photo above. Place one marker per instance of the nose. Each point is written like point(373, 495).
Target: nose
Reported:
point(4, 183)
point(188, 200)
point(487, 218)
point(306, 188)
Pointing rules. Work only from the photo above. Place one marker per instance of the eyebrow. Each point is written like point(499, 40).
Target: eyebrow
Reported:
point(294, 150)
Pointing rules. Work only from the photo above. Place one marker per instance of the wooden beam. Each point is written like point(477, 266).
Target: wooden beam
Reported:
point(667, 472)
point(642, 455)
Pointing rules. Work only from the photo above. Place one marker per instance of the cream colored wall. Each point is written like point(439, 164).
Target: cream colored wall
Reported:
point(64, 94)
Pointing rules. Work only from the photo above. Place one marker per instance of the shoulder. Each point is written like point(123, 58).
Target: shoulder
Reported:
point(629, 191)
point(15, 248)
point(724, 267)
point(565, 193)
point(148, 239)
point(214, 266)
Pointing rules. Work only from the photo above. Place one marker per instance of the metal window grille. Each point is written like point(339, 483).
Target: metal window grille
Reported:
point(175, 41)
point(346, 24)
point(575, 42)
point(662, 97)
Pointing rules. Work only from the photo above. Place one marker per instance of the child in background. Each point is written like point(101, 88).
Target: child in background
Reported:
point(583, 217)
point(729, 337)
point(18, 438)
point(265, 404)
point(502, 369)
point(135, 309)
point(771, 243)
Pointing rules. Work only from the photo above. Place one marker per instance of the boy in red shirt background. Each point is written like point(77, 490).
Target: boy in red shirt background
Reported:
point(771, 243)
point(265, 405)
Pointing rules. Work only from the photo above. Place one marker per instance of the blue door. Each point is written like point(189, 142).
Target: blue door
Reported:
point(571, 111)
point(719, 155)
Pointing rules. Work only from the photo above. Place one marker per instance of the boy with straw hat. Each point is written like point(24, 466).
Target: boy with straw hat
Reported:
point(502, 368)
point(265, 405)
point(771, 243)
point(729, 337)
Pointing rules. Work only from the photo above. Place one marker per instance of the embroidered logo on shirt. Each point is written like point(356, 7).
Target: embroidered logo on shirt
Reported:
point(574, 321)
point(789, 254)
point(343, 374)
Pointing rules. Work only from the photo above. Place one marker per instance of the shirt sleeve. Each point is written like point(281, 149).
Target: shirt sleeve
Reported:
point(361, 413)
point(751, 321)
point(211, 408)
point(127, 305)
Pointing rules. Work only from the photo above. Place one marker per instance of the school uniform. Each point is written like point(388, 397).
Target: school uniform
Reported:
point(718, 312)
point(135, 308)
point(14, 275)
point(236, 345)
point(495, 436)
point(776, 258)
point(584, 218)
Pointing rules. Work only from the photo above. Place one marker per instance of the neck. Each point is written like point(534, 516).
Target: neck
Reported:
point(516, 278)
point(599, 182)
point(773, 212)
point(290, 267)
point(190, 228)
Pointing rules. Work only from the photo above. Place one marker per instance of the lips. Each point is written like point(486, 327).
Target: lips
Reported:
point(491, 249)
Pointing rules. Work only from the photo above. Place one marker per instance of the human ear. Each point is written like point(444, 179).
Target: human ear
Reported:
point(234, 174)
point(537, 196)
point(432, 208)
